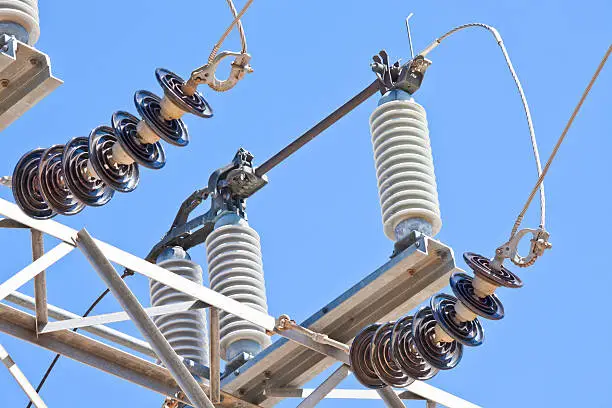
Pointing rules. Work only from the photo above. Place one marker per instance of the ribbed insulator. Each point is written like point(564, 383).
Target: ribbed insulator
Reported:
point(235, 270)
point(404, 165)
point(185, 331)
point(23, 13)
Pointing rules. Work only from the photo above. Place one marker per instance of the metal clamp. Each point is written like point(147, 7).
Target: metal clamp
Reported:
point(509, 250)
point(206, 74)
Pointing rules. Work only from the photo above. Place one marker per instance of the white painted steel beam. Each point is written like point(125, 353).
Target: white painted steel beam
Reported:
point(20, 278)
point(136, 264)
point(21, 379)
point(107, 318)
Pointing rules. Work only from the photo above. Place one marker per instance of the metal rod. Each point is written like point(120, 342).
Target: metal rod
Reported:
point(390, 398)
point(326, 387)
point(21, 379)
point(101, 331)
point(215, 357)
point(409, 35)
point(143, 322)
point(317, 129)
point(106, 318)
point(40, 282)
point(20, 278)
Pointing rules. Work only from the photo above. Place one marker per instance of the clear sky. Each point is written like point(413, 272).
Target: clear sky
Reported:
point(319, 217)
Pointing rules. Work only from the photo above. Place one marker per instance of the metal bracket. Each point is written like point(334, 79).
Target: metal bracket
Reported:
point(407, 77)
point(228, 188)
point(206, 73)
point(509, 250)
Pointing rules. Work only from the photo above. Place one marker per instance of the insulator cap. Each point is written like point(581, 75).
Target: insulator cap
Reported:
point(172, 131)
point(89, 190)
point(150, 155)
point(360, 357)
point(482, 268)
point(405, 353)
point(469, 333)
point(442, 356)
point(53, 183)
point(26, 186)
point(382, 358)
point(120, 177)
point(172, 85)
point(489, 307)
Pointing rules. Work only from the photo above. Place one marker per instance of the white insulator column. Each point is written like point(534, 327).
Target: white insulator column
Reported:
point(20, 19)
point(185, 331)
point(235, 269)
point(404, 167)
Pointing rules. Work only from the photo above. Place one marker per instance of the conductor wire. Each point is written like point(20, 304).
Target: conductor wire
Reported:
point(236, 20)
point(519, 87)
point(561, 138)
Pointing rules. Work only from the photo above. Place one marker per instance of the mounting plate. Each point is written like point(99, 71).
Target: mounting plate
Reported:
point(25, 79)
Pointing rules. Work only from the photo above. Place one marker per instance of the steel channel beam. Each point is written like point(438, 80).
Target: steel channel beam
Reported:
point(150, 270)
point(21, 379)
point(106, 318)
point(20, 278)
point(391, 291)
point(101, 356)
point(325, 387)
point(143, 322)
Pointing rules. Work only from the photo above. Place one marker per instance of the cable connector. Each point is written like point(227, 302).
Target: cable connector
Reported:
point(509, 250)
point(206, 73)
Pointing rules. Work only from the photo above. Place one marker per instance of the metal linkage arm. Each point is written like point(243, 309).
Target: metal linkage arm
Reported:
point(143, 322)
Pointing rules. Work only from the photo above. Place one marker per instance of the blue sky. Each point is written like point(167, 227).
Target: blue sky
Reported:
point(319, 217)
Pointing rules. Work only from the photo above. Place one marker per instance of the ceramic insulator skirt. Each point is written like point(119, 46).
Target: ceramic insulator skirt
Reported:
point(404, 165)
point(235, 270)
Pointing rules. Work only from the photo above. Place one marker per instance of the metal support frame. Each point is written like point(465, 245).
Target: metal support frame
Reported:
point(143, 322)
point(40, 282)
point(21, 379)
point(215, 356)
point(390, 398)
point(331, 382)
point(406, 280)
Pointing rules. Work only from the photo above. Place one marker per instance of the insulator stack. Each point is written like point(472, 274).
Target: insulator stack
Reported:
point(20, 19)
point(88, 171)
point(235, 270)
point(416, 347)
point(404, 167)
point(185, 331)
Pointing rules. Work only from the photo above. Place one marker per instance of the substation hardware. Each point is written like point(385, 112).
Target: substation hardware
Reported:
point(63, 179)
point(25, 72)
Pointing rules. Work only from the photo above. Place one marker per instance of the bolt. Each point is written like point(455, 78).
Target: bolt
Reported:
point(4, 83)
point(34, 61)
point(411, 271)
point(241, 391)
point(237, 372)
point(267, 375)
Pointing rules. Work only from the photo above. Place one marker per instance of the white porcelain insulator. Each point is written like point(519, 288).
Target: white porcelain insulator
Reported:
point(235, 269)
point(185, 331)
point(404, 165)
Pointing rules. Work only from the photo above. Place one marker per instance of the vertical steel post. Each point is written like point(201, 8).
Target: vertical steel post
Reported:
point(40, 282)
point(325, 387)
point(391, 399)
point(143, 322)
point(215, 356)
point(21, 379)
